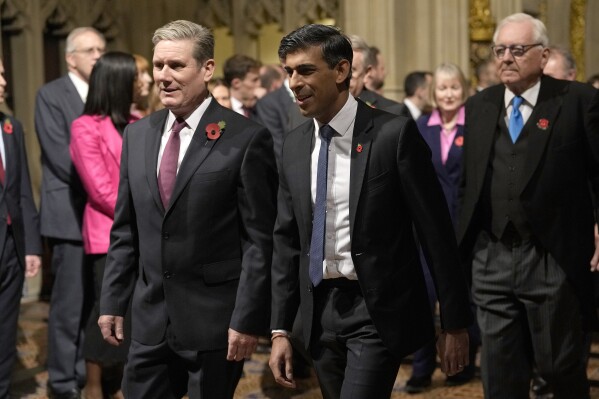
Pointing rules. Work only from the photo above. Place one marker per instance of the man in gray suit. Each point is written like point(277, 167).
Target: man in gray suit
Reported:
point(58, 103)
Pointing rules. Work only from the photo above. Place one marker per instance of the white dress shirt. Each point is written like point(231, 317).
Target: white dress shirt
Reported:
point(186, 133)
point(414, 110)
point(81, 85)
point(337, 249)
point(530, 97)
point(237, 106)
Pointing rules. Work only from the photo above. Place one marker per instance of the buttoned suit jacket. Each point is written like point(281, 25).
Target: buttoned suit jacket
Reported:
point(16, 198)
point(562, 162)
point(203, 263)
point(392, 187)
point(449, 174)
point(57, 105)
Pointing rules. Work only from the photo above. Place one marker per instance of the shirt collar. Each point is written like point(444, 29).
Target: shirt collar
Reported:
point(435, 119)
point(344, 118)
point(193, 120)
point(530, 96)
point(81, 85)
point(414, 110)
point(237, 106)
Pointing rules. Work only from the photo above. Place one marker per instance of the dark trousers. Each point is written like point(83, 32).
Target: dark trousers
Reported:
point(159, 371)
point(425, 359)
point(527, 313)
point(349, 356)
point(12, 276)
point(70, 306)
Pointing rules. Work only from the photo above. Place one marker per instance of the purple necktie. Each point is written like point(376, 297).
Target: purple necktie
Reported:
point(167, 175)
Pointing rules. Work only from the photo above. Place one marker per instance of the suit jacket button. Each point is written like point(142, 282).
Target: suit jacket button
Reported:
point(167, 274)
point(165, 236)
point(310, 289)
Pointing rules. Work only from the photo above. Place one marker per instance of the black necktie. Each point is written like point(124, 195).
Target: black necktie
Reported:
point(320, 207)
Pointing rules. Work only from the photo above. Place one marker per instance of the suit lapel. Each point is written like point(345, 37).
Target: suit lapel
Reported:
point(153, 138)
point(360, 151)
point(302, 165)
point(547, 108)
point(198, 149)
point(481, 134)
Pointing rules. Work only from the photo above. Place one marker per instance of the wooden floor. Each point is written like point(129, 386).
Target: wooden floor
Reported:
point(30, 376)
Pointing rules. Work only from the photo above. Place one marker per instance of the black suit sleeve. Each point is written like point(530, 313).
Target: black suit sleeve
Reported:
point(52, 127)
point(430, 214)
point(121, 263)
point(256, 196)
point(285, 267)
point(33, 242)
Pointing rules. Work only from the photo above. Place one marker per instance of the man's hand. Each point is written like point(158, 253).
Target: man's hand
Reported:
point(241, 346)
point(112, 329)
point(280, 362)
point(453, 348)
point(33, 263)
point(595, 258)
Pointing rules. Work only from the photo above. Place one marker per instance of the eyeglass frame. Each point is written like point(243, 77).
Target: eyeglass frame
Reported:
point(525, 49)
point(90, 50)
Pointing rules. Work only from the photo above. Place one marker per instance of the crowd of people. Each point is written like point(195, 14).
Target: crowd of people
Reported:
point(189, 215)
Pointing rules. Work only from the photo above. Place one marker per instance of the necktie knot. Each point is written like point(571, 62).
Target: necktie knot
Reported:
point(516, 102)
point(327, 132)
point(178, 125)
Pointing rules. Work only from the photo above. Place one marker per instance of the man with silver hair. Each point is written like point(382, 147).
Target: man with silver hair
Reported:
point(58, 103)
point(191, 243)
point(527, 217)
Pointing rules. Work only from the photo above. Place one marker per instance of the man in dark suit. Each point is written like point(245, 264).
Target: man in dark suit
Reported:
point(20, 242)
point(58, 103)
point(191, 243)
point(417, 88)
point(344, 251)
point(526, 220)
point(242, 74)
point(361, 64)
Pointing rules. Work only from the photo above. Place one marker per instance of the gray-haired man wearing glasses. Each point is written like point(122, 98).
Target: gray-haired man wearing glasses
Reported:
point(526, 222)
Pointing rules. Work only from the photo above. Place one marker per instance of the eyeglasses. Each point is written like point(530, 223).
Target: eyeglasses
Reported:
point(516, 50)
point(90, 50)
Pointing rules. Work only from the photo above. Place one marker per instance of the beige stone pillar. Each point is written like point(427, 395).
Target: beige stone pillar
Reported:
point(412, 34)
point(502, 8)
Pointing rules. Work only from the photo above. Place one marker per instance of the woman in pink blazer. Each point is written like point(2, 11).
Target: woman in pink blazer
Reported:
point(96, 140)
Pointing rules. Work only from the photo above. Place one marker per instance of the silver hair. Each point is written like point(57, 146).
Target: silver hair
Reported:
point(359, 44)
point(538, 27)
point(75, 33)
point(567, 57)
point(453, 71)
point(202, 37)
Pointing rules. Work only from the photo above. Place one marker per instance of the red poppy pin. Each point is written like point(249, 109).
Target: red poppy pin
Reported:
point(214, 130)
point(543, 124)
point(7, 126)
point(459, 141)
point(359, 148)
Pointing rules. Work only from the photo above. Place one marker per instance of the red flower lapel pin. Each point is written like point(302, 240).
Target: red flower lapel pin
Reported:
point(7, 126)
point(214, 130)
point(543, 124)
point(359, 148)
point(459, 141)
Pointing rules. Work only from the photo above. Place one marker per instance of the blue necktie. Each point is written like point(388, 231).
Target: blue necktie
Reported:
point(320, 207)
point(516, 121)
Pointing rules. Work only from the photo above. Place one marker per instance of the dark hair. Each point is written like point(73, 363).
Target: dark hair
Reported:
point(335, 46)
point(413, 81)
point(269, 75)
point(238, 65)
point(111, 88)
point(593, 79)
